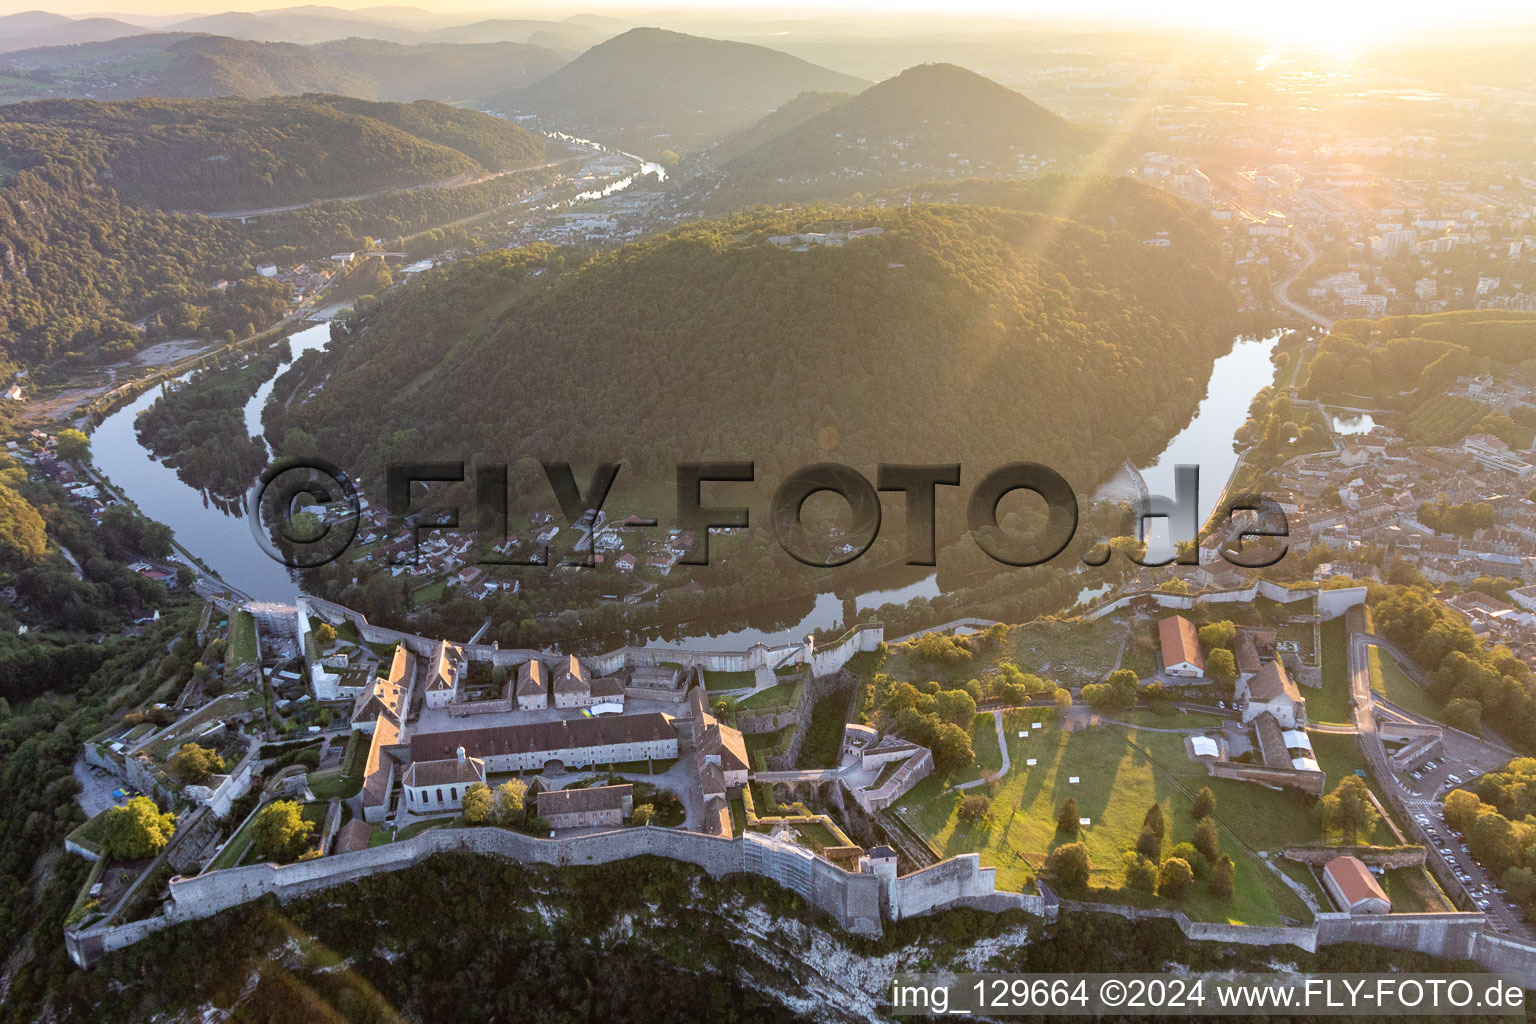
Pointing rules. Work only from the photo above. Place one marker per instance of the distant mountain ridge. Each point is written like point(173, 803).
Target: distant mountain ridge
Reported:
point(197, 66)
point(659, 89)
point(933, 117)
point(42, 28)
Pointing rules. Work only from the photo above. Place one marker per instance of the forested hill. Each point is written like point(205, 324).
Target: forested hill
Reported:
point(959, 333)
point(196, 66)
point(650, 88)
point(929, 121)
point(791, 115)
point(234, 154)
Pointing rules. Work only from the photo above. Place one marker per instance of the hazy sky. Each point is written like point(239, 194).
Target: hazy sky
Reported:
point(1328, 23)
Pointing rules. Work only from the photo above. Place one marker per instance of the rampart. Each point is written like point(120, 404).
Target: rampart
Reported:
point(1330, 603)
point(824, 661)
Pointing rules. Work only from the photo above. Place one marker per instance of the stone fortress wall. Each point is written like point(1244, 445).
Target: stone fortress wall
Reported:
point(1331, 603)
point(823, 661)
point(858, 902)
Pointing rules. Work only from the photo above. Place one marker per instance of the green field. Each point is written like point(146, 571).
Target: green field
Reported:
point(242, 639)
point(1389, 680)
point(1121, 772)
point(729, 680)
point(1071, 652)
point(1412, 891)
point(1329, 704)
point(780, 695)
point(332, 782)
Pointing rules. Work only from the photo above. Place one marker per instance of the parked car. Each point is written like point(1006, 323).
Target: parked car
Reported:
point(118, 794)
point(1454, 778)
point(1415, 776)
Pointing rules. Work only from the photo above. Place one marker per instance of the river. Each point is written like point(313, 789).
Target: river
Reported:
point(224, 543)
point(1207, 442)
point(221, 542)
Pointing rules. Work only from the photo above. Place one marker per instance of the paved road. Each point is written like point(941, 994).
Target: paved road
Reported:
point(1428, 824)
point(457, 181)
point(1283, 289)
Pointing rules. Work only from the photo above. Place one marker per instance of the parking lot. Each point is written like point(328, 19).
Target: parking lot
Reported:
point(1462, 761)
point(1483, 891)
point(96, 788)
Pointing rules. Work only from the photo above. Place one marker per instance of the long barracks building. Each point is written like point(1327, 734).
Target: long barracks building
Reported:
point(575, 742)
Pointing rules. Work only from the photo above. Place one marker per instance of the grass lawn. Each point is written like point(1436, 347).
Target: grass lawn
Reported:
point(763, 744)
point(1389, 680)
point(1412, 891)
point(332, 783)
point(1307, 877)
point(824, 736)
point(1179, 719)
point(1121, 772)
point(1339, 755)
point(989, 757)
point(429, 593)
point(780, 695)
point(1329, 704)
point(728, 680)
point(355, 757)
point(1070, 652)
point(242, 639)
point(813, 835)
point(234, 851)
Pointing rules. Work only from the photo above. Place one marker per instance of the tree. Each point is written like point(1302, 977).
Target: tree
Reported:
point(974, 808)
point(1206, 841)
point(137, 829)
point(280, 832)
point(1465, 714)
point(1349, 808)
point(1461, 809)
point(1217, 635)
point(1174, 879)
point(1205, 803)
point(1187, 853)
point(1150, 844)
point(1221, 666)
point(1153, 820)
point(951, 748)
point(1140, 873)
point(1224, 879)
point(477, 803)
point(192, 764)
point(510, 799)
point(325, 634)
point(955, 706)
point(1063, 698)
point(23, 536)
point(1067, 817)
point(72, 445)
point(642, 815)
point(1069, 865)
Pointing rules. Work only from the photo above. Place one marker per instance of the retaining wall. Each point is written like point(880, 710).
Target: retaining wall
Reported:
point(1280, 778)
point(865, 637)
point(1384, 858)
point(1330, 603)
